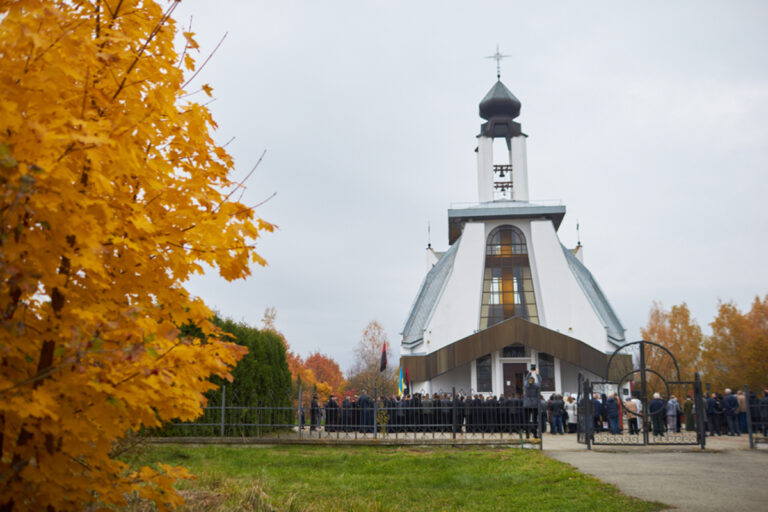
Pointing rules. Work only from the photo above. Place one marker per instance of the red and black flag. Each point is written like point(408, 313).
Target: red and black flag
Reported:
point(383, 358)
point(407, 382)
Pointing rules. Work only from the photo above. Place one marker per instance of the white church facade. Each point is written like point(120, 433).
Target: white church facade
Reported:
point(506, 293)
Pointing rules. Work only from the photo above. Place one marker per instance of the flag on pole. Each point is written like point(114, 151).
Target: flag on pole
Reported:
point(400, 384)
point(383, 357)
point(407, 382)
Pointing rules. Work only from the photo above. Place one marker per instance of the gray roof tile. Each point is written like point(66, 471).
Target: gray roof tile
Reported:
point(596, 298)
point(429, 294)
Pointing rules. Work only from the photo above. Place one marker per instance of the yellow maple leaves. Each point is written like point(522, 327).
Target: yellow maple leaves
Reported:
point(113, 193)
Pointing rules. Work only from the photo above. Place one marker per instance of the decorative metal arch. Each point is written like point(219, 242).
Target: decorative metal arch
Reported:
point(586, 389)
point(642, 344)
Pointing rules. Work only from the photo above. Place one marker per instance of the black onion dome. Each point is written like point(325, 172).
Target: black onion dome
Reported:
point(499, 102)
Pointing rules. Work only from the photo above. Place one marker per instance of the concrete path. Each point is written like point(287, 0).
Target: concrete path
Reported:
point(727, 476)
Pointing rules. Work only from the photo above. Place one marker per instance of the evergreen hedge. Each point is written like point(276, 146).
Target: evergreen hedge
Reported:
point(259, 394)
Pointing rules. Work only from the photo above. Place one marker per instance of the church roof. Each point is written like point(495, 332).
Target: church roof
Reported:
point(500, 209)
point(429, 294)
point(596, 298)
point(428, 366)
point(499, 102)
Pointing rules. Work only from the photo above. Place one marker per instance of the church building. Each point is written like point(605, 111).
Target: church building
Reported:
point(506, 293)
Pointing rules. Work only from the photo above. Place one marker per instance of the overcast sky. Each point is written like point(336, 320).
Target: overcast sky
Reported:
point(648, 120)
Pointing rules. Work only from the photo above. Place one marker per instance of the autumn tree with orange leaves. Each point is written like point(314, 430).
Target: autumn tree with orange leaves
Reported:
point(676, 330)
point(326, 370)
point(113, 195)
point(318, 372)
point(736, 354)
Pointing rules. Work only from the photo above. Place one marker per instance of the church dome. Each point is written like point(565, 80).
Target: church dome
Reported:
point(499, 102)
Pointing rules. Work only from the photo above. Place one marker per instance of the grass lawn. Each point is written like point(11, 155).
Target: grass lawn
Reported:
point(362, 478)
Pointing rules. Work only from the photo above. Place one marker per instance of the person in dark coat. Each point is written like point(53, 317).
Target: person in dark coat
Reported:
point(314, 414)
point(503, 414)
point(603, 410)
point(479, 413)
point(712, 418)
point(409, 415)
point(612, 412)
point(690, 420)
point(548, 412)
point(446, 411)
point(347, 414)
point(399, 415)
point(516, 406)
point(531, 389)
point(459, 413)
point(656, 410)
point(764, 412)
point(492, 406)
point(556, 409)
point(357, 423)
point(469, 414)
point(331, 414)
point(731, 407)
point(428, 413)
point(753, 403)
point(366, 412)
point(597, 410)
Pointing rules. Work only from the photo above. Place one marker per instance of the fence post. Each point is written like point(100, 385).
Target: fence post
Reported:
point(223, 407)
point(375, 413)
point(453, 413)
point(701, 410)
point(643, 394)
point(300, 413)
point(749, 418)
point(589, 420)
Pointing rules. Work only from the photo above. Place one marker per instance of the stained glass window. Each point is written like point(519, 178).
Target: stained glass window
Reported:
point(507, 282)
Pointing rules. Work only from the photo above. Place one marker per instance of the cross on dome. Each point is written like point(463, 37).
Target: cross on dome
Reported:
point(498, 56)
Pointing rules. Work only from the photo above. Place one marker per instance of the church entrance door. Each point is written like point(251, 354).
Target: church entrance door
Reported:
point(514, 373)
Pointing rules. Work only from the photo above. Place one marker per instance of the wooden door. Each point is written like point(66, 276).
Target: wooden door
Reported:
point(514, 373)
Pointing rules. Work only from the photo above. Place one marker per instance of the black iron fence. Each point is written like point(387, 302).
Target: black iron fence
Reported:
point(611, 419)
point(691, 423)
point(438, 416)
point(756, 415)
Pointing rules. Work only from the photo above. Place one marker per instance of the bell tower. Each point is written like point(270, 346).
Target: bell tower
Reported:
point(502, 172)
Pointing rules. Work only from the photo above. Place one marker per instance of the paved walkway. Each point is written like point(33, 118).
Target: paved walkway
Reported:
point(727, 476)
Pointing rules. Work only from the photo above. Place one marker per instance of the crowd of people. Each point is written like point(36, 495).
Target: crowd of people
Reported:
point(424, 412)
point(531, 414)
point(437, 412)
point(724, 414)
point(727, 414)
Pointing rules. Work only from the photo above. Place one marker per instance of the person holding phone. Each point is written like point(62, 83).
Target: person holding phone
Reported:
point(531, 388)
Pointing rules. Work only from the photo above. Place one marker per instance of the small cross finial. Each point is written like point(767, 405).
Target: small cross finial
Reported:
point(578, 234)
point(498, 56)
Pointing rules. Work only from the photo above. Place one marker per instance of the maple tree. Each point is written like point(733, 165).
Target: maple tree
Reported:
point(326, 370)
point(113, 194)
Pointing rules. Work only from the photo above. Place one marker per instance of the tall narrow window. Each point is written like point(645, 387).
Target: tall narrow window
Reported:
point(507, 283)
point(484, 374)
point(547, 371)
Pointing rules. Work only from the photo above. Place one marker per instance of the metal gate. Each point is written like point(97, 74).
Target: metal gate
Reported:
point(652, 419)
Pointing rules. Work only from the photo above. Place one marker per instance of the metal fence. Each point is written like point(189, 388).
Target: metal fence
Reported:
point(757, 417)
point(705, 421)
point(439, 417)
